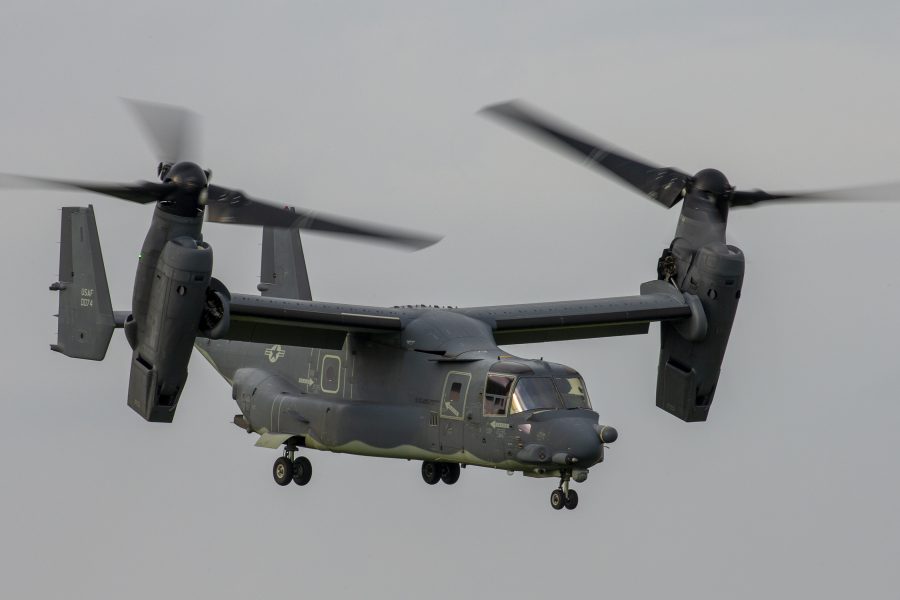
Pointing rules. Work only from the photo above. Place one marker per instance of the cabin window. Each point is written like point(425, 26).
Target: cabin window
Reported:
point(496, 394)
point(453, 399)
point(331, 374)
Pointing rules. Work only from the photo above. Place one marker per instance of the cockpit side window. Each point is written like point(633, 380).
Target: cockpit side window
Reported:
point(496, 394)
point(532, 393)
point(573, 392)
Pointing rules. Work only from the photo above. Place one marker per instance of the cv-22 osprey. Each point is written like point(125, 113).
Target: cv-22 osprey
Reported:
point(423, 383)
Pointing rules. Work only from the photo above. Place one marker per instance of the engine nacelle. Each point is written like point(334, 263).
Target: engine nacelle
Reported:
point(178, 295)
point(689, 367)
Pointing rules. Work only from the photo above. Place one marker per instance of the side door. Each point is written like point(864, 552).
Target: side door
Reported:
point(453, 411)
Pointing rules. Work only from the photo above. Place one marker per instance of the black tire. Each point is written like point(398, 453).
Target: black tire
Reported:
point(302, 471)
point(572, 500)
point(450, 473)
point(430, 472)
point(557, 499)
point(283, 470)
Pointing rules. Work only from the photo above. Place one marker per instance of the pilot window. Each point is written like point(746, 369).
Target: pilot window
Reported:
point(455, 389)
point(496, 393)
point(534, 393)
point(573, 392)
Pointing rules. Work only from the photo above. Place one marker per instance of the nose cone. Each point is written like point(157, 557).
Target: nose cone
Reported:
point(580, 441)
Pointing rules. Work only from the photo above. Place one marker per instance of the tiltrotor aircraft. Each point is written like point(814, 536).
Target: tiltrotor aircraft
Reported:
point(413, 382)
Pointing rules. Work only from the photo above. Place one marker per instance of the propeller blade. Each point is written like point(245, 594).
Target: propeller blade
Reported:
point(873, 193)
point(225, 205)
point(662, 184)
point(174, 131)
point(142, 192)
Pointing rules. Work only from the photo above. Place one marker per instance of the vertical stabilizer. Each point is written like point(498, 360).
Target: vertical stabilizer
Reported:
point(86, 319)
point(283, 270)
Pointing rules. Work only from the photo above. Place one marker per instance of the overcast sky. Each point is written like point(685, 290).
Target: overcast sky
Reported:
point(368, 110)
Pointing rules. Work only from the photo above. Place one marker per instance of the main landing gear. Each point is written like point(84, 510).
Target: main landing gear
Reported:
point(433, 472)
point(563, 497)
point(287, 468)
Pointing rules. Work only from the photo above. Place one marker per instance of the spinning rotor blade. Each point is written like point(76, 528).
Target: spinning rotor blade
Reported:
point(662, 184)
point(872, 193)
point(225, 205)
point(174, 131)
point(186, 190)
point(142, 192)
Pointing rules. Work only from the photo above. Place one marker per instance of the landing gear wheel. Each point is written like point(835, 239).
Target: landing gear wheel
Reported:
point(449, 473)
point(302, 471)
point(572, 500)
point(557, 499)
point(283, 470)
point(430, 472)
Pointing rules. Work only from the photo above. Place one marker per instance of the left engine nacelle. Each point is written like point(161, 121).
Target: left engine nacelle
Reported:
point(178, 295)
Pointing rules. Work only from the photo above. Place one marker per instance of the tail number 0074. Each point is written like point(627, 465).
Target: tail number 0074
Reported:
point(87, 297)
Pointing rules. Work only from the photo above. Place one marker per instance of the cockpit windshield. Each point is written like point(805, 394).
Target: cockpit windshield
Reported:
point(532, 393)
point(573, 392)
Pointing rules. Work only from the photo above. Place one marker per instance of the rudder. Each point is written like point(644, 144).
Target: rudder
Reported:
point(86, 320)
point(283, 271)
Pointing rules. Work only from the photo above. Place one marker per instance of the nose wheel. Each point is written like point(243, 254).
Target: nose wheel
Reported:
point(283, 470)
point(287, 468)
point(302, 471)
point(563, 497)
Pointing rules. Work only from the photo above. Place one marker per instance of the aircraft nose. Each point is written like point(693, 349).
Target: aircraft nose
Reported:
point(585, 446)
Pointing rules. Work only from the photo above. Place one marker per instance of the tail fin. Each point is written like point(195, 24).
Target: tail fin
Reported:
point(283, 271)
point(86, 320)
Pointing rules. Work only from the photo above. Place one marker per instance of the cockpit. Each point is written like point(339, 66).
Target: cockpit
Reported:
point(509, 393)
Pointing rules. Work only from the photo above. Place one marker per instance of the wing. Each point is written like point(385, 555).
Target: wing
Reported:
point(307, 323)
point(581, 319)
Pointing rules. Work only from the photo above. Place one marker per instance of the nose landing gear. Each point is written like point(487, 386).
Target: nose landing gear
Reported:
point(287, 468)
point(563, 497)
point(302, 470)
point(283, 470)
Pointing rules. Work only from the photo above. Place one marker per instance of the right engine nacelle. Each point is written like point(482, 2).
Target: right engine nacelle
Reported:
point(689, 369)
point(178, 295)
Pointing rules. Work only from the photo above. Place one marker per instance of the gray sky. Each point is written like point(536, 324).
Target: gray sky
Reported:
point(367, 110)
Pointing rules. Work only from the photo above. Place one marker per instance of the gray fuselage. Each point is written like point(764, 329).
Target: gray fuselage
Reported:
point(390, 396)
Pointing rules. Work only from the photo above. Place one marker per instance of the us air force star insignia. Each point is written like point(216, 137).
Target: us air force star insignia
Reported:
point(275, 352)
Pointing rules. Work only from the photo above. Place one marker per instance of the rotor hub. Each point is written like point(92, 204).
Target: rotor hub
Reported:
point(185, 174)
point(188, 196)
point(712, 182)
